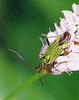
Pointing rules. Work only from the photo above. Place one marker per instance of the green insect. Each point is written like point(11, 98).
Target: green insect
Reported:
point(55, 50)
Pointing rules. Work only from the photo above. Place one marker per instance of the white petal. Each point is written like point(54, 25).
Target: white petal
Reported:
point(76, 13)
point(62, 59)
point(76, 19)
point(70, 24)
point(68, 15)
point(56, 72)
point(74, 48)
point(63, 25)
point(72, 63)
point(67, 67)
point(74, 7)
point(51, 36)
point(78, 31)
point(43, 50)
point(58, 30)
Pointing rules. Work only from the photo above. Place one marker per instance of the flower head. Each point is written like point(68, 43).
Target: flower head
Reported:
point(69, 60)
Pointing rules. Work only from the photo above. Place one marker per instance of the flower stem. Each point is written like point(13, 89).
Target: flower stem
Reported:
point(22, 87)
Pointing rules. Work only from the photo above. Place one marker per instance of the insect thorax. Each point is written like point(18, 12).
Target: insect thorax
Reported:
point(45, 59)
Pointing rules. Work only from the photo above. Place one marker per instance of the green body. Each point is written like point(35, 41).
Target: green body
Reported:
point(53, 51)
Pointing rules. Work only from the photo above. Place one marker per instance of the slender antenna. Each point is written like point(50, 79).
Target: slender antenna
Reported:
point(22, 59)
point(17, 54)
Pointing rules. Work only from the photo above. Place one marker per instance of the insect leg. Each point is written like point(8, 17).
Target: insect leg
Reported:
point(41, 81)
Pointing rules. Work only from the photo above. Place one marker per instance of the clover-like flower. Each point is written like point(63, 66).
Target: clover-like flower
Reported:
point(69, 24)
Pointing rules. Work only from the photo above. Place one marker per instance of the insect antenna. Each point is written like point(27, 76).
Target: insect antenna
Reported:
point(22, 59)
point(17, 54)
point(25, 62)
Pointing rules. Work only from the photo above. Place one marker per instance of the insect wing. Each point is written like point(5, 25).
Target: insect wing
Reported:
point(52, 46)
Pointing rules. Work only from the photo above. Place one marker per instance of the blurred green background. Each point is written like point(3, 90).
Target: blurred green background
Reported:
point(21, 24)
